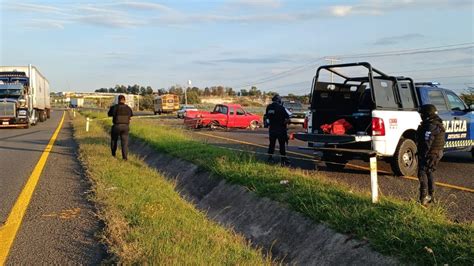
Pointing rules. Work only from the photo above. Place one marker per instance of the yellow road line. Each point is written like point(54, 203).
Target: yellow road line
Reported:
point(250, 143)
point(290, 152)
point(444, 184)
point(350, 165)
point(9, 230)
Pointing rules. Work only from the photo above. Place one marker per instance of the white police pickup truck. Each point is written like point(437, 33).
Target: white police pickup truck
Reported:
point(382, 112)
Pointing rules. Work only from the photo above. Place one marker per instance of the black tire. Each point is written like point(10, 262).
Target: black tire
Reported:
point(253, 125)
point(405, 161)
point(48, 113)
point(41, 116)
point(334, 162)
point(214, 125)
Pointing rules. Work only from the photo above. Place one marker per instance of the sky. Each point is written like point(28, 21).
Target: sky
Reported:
point(275, 45)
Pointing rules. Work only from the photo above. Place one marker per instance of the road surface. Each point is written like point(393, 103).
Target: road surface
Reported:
point(59, 225)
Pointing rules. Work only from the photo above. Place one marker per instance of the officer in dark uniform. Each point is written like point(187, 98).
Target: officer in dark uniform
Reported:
point(277, 119)
point(431, 141)
point(121, 114)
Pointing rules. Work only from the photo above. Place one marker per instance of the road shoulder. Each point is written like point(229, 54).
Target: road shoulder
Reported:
point(60, 225)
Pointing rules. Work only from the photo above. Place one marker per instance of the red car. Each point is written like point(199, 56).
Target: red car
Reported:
point(223, 116)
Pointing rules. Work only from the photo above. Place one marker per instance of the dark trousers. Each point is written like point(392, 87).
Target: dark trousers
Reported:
point(120, 130)
point(282, 138)
point(427, 166)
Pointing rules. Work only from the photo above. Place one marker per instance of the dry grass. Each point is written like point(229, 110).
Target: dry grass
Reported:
point(146, 221)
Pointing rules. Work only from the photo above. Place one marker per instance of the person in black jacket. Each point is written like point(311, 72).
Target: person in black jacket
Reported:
point(277, 118)
point(431, 141)
point(121, 115)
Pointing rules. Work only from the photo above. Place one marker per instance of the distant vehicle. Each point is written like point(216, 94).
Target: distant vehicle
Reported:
point(182, 112)
point(298, 112)
point(223, 116)
point(166, 103)
point(383, 113)
point(129, 100)
point(24, 96)
point(77, 102)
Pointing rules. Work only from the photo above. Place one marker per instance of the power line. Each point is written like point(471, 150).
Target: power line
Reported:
point(434, 49)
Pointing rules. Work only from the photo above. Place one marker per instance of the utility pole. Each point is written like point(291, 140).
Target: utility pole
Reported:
point(332, 60)
point(185, 95)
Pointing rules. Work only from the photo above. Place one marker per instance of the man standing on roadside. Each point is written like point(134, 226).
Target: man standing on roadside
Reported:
point(431, 141)
point(277, 119)
point(121, 115)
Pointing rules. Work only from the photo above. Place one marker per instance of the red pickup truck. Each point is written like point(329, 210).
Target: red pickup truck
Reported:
point(223, 116)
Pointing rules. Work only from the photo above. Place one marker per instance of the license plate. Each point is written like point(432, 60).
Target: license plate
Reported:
point(5, 123)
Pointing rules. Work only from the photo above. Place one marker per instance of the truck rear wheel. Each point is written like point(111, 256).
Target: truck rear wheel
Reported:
point(41, 116)
point(405, 161)
point(48, 113)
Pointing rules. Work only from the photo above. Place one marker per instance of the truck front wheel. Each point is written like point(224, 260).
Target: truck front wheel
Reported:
point(405, 161)
point(214, 125)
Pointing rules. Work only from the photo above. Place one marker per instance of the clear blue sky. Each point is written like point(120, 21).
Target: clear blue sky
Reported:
point(86, 45)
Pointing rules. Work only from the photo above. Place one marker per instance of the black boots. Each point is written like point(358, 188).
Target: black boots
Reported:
point(285, 162)
point(426, 199)
point(270, 159)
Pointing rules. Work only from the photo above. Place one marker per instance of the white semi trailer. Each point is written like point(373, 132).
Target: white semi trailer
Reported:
point(24, 96)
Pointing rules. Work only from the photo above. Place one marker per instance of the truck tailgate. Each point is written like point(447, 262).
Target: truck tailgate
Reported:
point(331, 139)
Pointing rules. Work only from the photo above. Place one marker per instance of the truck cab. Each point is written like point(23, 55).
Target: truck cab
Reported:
point(223, 116)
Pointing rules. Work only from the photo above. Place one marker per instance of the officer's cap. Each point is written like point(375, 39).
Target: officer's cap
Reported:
point(276, 98)
point(428, 109)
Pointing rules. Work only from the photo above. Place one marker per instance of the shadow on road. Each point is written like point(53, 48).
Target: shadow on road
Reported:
point(20, 135)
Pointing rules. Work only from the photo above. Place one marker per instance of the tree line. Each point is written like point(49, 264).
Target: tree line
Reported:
point(194, 94)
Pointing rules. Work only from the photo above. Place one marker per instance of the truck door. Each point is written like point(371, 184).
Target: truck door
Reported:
point(458, 128)
point(436, 98)
point(231, 117)
point(240, 118)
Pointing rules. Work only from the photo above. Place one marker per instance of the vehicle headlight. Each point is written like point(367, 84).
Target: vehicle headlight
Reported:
point(22, 102)
point(22, 113)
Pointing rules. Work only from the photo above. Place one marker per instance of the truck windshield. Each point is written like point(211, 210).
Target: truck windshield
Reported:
point(10, 92)
point(295, 106)
point(10, 89)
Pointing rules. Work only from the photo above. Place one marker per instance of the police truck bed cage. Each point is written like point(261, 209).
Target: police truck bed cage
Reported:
point(361, 76)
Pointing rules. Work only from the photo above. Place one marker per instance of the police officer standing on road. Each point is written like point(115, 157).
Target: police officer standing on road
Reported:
point(431, 141)
point(277, 118)
point(121, 114)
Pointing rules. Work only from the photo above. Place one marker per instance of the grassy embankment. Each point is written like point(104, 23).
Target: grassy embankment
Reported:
point(393, 227)
point(145, 218)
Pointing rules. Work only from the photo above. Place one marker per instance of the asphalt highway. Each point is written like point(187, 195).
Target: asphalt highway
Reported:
point(60, 224)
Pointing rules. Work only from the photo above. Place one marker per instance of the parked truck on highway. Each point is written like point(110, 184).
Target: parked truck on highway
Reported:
point(24, 96)
point(77, 102)
point(223, 116)
point(357, 109)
